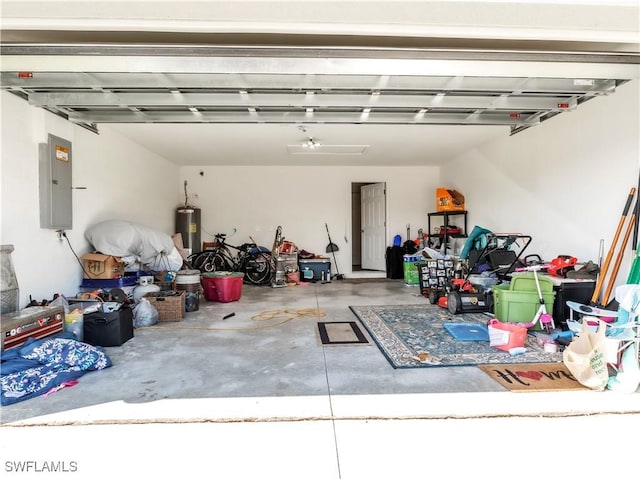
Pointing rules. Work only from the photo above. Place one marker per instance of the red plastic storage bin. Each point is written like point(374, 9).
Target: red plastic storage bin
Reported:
point(222, 286)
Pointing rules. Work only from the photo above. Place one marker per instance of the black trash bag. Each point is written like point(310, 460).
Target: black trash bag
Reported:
point(394, 262)
point(409, 247)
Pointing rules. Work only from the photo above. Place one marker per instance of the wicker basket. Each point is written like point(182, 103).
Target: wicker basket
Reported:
point(170, 304)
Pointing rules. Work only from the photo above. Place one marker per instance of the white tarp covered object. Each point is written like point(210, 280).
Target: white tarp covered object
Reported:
point(134, 243)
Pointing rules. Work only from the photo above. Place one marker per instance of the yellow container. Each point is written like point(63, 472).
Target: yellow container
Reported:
point(74, 323)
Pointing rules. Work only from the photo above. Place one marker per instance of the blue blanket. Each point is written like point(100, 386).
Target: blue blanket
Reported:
point(40, 365)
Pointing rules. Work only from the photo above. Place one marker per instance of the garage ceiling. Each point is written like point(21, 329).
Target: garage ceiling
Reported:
point(347, 95)
point(270, 89)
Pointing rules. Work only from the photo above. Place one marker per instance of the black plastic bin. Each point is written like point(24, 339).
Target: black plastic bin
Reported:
point(108, 329)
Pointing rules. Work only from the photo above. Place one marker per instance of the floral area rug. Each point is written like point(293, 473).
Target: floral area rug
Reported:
point(414, 336)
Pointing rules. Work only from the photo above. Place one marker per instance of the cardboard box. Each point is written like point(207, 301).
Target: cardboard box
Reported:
point(410, 269)
point(449, 200)
point(102, 266)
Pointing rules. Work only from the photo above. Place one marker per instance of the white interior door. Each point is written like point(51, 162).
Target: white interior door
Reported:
point(373, 222)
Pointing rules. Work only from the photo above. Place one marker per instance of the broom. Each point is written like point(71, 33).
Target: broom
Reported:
point(332, 248)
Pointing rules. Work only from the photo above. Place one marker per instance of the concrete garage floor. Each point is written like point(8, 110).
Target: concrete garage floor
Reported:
point(252, 388)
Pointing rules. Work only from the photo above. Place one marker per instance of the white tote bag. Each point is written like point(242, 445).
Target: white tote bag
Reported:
point(585, 357)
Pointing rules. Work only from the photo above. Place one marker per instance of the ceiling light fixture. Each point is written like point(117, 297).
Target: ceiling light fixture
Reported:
point(310, 143)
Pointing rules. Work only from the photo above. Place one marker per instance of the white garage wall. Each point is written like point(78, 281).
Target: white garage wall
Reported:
point(564, 182)
point(123, 181)
point(255, 200)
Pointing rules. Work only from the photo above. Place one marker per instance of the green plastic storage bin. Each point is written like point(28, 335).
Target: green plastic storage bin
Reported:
point(511, 306)
point(527, 282)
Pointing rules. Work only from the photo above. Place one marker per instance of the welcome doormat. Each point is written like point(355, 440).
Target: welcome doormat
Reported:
point(533, 377)
point(341, 332)
point(414, 336)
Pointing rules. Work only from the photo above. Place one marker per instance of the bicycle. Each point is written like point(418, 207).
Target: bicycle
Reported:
point(254, 261)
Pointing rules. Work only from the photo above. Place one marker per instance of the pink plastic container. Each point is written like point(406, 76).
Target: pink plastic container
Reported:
point(506, 336)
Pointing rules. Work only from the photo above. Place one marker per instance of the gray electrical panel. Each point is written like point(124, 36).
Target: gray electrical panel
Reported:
point(55, 184)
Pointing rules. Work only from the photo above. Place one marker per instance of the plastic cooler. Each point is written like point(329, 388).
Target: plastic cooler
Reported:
point(518, 302)
point(222, 286)
point(315, 269)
